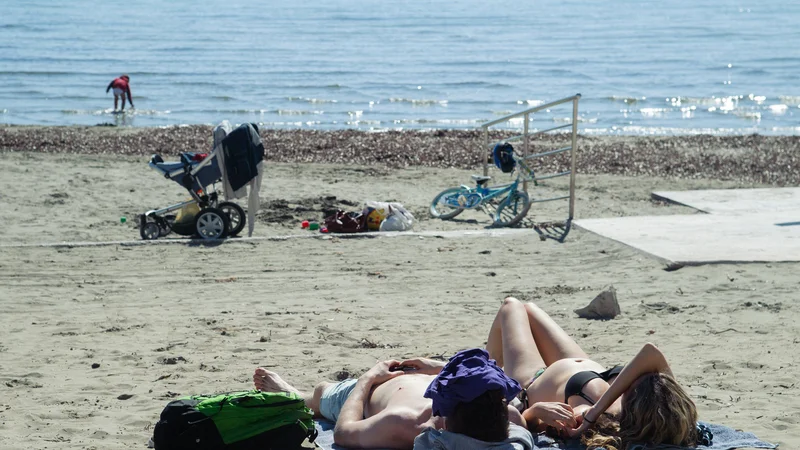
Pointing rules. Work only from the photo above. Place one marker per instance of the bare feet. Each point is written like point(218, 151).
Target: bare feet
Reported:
point(268, 381)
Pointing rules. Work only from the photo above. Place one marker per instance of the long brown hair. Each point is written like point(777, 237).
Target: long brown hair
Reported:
point(655, 411)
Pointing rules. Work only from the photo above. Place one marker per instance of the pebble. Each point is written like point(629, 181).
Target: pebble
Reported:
point(748, 159)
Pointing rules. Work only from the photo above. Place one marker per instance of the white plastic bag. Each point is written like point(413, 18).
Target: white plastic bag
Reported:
point(399, 219)
point(376, 213)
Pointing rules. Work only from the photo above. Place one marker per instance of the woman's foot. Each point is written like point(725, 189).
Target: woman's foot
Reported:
point(268, 381)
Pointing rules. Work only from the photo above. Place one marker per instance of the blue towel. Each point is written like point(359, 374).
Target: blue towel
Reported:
point(325, 437)
point(725, 438)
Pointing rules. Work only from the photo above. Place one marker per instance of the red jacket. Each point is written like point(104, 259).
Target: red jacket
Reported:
point(121, 83)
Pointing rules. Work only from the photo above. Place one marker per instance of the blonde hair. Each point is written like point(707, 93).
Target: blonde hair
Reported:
point(655, 411)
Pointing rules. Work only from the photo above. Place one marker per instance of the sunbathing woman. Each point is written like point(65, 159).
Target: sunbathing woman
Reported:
point(640, 404)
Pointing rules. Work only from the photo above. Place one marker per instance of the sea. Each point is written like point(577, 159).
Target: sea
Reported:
point(642, 67)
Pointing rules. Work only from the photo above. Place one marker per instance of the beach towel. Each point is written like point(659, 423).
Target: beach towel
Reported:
point(220, 131)
point(519, 438)
point(240, 155)
point(725, 438)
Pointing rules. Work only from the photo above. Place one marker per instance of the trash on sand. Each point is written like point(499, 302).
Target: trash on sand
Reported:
point(604, 306)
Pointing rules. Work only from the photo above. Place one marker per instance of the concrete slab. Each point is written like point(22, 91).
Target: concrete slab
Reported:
point(737, 201)
point(742, 225)
point(706, 238)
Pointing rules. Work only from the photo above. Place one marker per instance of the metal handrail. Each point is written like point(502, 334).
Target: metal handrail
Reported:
point(525, 137)
point(531, 110)
point(552, 175)
point(542, 200)
point(549, 153)
point(535, 133)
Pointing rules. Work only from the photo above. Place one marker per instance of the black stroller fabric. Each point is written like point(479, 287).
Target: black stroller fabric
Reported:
point(243, 151)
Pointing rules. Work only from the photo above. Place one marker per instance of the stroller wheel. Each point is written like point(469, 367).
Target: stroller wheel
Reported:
point(149, 231)
point(236, 217)
point(164, 229)
point(211, 223)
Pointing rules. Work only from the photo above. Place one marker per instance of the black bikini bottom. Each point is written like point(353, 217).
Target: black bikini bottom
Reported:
point(576, 382)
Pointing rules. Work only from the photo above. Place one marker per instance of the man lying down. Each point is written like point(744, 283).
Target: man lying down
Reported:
point(419, 403)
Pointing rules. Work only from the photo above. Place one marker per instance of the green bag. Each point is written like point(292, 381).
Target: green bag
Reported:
point(235, 421)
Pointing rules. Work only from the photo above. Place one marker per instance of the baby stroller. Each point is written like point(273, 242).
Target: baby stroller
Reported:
point(236, 162)
point(195, 172)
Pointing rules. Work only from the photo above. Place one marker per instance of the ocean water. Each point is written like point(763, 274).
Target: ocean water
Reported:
point(642, 67)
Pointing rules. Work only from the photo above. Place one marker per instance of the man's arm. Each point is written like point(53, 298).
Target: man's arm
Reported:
point(424, 365)
point(109, 86)
point(128, 91)
point(383, 430)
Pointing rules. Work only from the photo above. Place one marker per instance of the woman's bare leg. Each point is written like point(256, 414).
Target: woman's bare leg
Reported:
point(553, 342)
point(512, 344)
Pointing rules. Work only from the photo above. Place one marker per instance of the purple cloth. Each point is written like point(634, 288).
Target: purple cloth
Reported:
point(468, 375)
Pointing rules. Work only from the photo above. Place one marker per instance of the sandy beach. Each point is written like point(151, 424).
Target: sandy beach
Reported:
point(97, 339)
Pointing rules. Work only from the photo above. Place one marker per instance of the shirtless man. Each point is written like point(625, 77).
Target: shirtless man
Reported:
point(383, 408)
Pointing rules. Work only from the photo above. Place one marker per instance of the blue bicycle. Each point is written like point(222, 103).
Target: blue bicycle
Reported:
point(513, 203)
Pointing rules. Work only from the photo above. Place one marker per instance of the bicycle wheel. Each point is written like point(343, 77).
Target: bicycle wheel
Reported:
point(512, 210)
point(441, 207)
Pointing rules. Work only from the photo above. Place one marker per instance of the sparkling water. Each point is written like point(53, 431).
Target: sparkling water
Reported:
point(642, 67)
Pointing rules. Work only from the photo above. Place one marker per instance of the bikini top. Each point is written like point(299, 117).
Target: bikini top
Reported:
point(576, 382)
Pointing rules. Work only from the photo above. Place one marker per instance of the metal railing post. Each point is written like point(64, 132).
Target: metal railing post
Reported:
point(525, 146)
point(573, 153)
point(483, 153)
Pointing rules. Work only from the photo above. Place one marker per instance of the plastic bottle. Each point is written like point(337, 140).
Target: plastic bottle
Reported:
point(313, 226)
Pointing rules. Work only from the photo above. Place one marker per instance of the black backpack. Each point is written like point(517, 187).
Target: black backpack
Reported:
point(248, 420)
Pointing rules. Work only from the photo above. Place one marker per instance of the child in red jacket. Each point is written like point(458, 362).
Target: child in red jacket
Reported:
point(121, 87)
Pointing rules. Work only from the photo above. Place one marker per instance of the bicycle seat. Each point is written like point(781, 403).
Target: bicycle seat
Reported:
point(480, 179)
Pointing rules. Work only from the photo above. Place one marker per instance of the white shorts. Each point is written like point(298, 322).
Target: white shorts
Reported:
point(118, 91)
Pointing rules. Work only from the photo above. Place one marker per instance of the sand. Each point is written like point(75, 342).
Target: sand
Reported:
point(97, 339)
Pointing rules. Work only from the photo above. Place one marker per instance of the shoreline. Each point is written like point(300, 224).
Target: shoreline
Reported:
point(745, 159)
